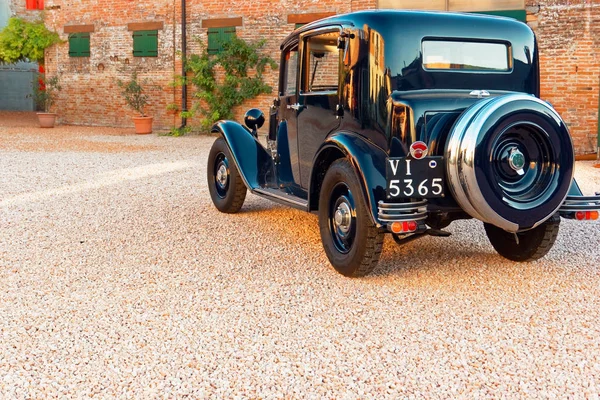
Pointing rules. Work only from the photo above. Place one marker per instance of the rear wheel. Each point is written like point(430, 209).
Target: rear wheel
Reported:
point(532, 244)
point(227, 190)
point(351, 240)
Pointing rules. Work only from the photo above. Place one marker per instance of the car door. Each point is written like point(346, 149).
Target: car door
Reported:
point(287, 138)
point(318, 97)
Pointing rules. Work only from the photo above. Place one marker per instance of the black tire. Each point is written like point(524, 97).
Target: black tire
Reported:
point(354, 245)
point(533, 244)
point(227, 190)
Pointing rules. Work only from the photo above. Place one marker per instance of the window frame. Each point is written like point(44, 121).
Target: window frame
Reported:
point(303, 61)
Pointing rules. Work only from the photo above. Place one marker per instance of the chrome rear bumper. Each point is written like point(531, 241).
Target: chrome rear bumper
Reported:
point(575, 204)
point(400, 212)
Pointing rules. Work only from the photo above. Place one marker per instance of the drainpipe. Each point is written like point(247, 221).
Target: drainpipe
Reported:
point(598, 144)
point(183, 58)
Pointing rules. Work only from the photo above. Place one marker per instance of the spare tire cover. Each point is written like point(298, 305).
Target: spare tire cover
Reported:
point(510, 161)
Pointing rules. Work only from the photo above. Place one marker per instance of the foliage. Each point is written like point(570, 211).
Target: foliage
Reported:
point(218, 96)
point(22, 40)
point(45, 91)
point(134, 94)
point(176, 132)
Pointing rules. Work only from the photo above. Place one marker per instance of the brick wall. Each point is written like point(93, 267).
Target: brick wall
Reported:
point(568, 34)
point(90, 94)
point(18, 8)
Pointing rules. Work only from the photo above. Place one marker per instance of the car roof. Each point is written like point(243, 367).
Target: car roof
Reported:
point(408, 20)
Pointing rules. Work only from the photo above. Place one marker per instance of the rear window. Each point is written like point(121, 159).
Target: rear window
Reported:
point(466, 56)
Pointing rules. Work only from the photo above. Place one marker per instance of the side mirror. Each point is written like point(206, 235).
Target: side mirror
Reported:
point(254, 119)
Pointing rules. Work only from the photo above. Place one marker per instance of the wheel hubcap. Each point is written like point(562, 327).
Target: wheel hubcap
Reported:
point(523, 165)
point(342, 218)
point(516, 160)
point(221, 174)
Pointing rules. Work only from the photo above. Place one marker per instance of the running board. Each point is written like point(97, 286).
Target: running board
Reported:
point(281, 197)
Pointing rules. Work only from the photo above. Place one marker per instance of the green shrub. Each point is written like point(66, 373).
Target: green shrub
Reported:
point(133, 93)
point(22, 40)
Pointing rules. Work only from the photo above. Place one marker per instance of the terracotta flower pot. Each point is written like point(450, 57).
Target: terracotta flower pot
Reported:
point(143, 125)
point(47, 120)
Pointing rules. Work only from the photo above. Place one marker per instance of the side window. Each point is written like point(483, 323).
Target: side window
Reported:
point(321, 63)
point(291, 71)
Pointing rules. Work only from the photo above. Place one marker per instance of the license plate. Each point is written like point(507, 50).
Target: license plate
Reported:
point(410, 178)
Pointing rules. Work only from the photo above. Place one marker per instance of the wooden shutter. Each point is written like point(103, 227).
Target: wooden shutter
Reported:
point(218, 36)
point(79, 44)
point(145, 43)
point(34, 4)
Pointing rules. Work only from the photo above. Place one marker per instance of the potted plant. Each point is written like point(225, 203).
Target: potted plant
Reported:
point(136, 99)
point(45, 91)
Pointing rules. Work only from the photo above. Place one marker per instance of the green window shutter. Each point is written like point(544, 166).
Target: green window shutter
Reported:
point(145, 44)
point(218, 36)
point(299, 25)
point(520, 15)
point(79, 44)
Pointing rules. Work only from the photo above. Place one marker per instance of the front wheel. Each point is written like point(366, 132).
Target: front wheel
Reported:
point(351, 240)
point(532, 244)
point(225, 185)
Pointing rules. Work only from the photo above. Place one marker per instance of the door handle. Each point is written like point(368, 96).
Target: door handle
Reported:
point(296, 107)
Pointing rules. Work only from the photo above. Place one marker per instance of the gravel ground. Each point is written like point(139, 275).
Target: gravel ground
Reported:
point(118, 278)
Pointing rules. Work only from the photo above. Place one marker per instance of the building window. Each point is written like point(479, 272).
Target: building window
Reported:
point(34, 4)
point(217, 37)
point(145, 43)
point(79, 44)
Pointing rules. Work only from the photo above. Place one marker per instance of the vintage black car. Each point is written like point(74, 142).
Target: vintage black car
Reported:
point(401, 122)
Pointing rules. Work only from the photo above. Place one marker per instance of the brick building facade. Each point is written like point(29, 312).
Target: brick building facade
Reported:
point(568, 33)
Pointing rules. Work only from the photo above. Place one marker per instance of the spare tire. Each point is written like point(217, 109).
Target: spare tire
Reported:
point(509, 161)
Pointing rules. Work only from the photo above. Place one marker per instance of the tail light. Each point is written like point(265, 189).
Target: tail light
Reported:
point(586, 215)
point(403, 227)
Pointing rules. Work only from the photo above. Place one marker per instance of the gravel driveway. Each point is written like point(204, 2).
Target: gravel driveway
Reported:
point(118, 278)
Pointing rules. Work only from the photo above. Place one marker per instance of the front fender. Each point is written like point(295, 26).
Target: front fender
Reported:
point(250, 157)
point(367, 159)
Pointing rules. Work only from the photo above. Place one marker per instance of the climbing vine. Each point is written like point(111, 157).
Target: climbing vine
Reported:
point(242, 64)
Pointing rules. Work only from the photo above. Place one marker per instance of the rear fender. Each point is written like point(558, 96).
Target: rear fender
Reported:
point(367, 159)
point(251, 158)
